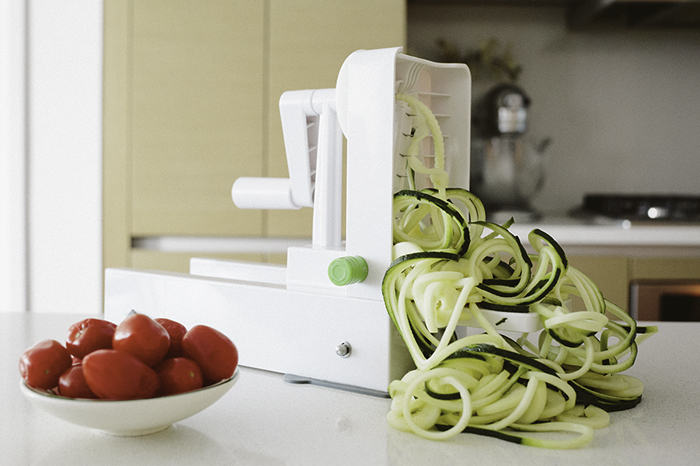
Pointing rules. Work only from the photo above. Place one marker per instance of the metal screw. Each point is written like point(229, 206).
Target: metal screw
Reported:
point(343, 350)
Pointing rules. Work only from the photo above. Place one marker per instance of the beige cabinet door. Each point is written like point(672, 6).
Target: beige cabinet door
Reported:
point(609, 273)
point(309, 40)
point(197, 97)
point(613, 274)
point(183, 117)
point(678, 268)
point(191, 103)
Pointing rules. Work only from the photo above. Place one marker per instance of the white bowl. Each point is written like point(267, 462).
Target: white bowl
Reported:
point(129, 417)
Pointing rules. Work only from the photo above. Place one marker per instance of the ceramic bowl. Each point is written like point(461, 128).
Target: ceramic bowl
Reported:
point(129, 417)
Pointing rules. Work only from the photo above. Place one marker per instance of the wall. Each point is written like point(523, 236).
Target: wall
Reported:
point(55, 213)
point(12, 156)
point(622, 106)
point(65, 155)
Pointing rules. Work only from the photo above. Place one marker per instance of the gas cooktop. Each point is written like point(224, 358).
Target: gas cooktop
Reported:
point(642, 207)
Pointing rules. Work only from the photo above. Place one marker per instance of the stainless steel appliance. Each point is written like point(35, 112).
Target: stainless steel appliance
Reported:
point(651, 299)
point(665, 300)
point(507, 167)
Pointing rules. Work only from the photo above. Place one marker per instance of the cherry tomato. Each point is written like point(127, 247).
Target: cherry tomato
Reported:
point(89, 335)
point(117, 375)
point(73, 385)
point(178, 375)
point(42, 364)
point(176, 331)
point(213, 351)
point(142, 337)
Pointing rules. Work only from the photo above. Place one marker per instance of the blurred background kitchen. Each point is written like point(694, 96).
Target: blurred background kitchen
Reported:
point(123, 125)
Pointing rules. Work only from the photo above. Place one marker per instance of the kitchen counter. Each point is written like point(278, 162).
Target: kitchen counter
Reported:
point(264, 420)
point(599, 236)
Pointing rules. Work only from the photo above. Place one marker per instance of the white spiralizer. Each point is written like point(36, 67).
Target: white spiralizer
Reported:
point(321, 317)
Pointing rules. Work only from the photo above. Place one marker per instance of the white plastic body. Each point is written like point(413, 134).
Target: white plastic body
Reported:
point(290, 318)
point(274, 328)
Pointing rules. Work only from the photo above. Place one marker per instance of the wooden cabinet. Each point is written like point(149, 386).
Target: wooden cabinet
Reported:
point(190, 103)
point(309, 41)
point(197, 83)
point(613, 274)
point(609, 273)
point(672, 268)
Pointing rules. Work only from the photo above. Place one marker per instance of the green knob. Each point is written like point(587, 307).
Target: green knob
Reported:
point(347, 270)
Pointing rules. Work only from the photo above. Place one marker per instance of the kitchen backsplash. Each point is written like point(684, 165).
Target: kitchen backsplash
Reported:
point(622, 106)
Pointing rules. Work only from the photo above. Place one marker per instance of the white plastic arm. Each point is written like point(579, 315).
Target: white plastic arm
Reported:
point(301, 112)
point(314, 145)
point(263, 193)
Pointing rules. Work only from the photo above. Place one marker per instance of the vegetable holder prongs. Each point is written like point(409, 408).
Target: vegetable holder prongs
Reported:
point(322, 316)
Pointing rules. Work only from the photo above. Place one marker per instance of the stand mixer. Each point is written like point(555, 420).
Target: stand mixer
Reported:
point(507, 168)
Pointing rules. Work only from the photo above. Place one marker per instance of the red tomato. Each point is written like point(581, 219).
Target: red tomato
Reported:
point(176, 331)
point(215, 354)
point(42, 364)
point(117, 375)
point(142, 337)
point(89, 335)
point(178, 375)
point(73, 385)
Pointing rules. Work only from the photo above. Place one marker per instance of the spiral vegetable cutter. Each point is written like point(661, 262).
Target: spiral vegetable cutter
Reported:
point(321, 318)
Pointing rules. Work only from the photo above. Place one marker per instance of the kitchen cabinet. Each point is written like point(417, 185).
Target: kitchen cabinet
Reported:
point(634, 13)
point(613, 255)
point(609, 273)
point(583, 14)
point(664, 268)
point(179, 261)
point(190, 104)
point(197, 108)
point(613, 274)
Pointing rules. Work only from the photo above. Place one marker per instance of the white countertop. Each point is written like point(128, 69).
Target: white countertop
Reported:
point(608, 237)
point(581, 236)
point(266, 421)
point(617, 233)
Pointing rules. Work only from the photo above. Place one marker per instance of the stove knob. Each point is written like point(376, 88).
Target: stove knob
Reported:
point(657, 212)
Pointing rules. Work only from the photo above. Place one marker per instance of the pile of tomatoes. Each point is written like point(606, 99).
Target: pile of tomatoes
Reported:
point(139, 358)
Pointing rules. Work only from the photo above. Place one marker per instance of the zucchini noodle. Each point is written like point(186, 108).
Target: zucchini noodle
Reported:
point(425, 125)
point(450, 267)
